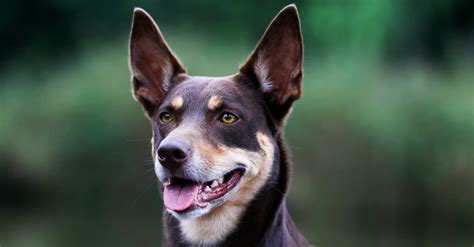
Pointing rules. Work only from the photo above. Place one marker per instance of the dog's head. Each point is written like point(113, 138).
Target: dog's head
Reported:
point(213, 138)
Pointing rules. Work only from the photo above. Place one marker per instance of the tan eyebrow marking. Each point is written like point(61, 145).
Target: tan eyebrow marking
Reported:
point(177, 103)
point(214, 102)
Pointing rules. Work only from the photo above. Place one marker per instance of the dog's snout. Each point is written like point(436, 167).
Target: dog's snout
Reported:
point(173, 154)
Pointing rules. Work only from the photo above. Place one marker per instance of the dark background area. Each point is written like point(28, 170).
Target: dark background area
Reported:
point(382, 140)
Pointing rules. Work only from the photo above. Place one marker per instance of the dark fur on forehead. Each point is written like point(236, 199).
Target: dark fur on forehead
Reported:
point(232, 89)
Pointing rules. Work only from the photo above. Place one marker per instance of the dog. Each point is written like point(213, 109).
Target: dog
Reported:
point(218, 143)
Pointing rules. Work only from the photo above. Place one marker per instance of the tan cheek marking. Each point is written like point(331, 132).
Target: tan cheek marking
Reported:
point(207, 151)
point(214, 102)
point(177, 103)
point(220, 222)
point(258, 172)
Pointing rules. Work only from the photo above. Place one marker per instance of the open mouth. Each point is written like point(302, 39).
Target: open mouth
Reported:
point(181, 194)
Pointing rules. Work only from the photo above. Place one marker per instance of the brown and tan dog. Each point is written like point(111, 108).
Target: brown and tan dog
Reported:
point(218, 141)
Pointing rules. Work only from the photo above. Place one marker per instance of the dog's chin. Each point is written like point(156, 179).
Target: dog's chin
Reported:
point(196, 211)
point(209, 195)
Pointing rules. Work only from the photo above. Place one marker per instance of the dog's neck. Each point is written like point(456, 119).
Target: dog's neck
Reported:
point(264, 222)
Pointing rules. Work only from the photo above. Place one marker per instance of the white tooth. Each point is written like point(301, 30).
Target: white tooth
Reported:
point(214, 184)
point(221, 180)
point(207, 189)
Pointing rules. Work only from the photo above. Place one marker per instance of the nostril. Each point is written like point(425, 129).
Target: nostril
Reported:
point(179, 154)
point(161, 154)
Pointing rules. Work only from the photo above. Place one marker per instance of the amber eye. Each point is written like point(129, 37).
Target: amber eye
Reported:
point(228, 118)
point(165, 117)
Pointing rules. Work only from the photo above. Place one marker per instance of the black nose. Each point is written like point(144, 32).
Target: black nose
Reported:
point(173, 154)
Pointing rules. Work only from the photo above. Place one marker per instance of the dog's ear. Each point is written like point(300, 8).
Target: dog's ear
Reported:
point(277, 62)
point(152, 62)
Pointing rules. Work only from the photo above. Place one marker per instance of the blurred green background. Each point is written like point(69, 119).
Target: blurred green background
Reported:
point(382, 140)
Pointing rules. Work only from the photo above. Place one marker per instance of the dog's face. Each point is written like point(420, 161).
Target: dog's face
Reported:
point(213, 138)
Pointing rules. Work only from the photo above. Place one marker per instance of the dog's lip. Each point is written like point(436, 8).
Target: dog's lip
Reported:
point(209, 191)
point(169, 179)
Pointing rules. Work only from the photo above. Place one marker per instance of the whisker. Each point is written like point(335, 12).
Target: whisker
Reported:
point(272, 185)
point(141, 194)
point(150, 170)
point(149, 161)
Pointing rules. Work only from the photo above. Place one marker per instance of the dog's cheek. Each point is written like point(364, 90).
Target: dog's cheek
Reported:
point(259, 172)
point(258, 163)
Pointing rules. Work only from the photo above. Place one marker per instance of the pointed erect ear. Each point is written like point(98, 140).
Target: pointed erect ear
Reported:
point(277, 62)
point(152, 62)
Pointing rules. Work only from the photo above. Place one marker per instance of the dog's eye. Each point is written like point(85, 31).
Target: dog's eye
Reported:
point(228, 118)
point(166, 117)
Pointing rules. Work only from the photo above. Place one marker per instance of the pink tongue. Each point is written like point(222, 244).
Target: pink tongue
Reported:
point(179, 197)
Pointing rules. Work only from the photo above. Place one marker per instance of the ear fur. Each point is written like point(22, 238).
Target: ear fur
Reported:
point(277, 62)
point(152, 63)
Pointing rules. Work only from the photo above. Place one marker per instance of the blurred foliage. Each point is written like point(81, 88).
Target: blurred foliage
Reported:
point(382, 139)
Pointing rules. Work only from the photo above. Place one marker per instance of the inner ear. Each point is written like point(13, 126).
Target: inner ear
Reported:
point(153, 64)
point(277, 61)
